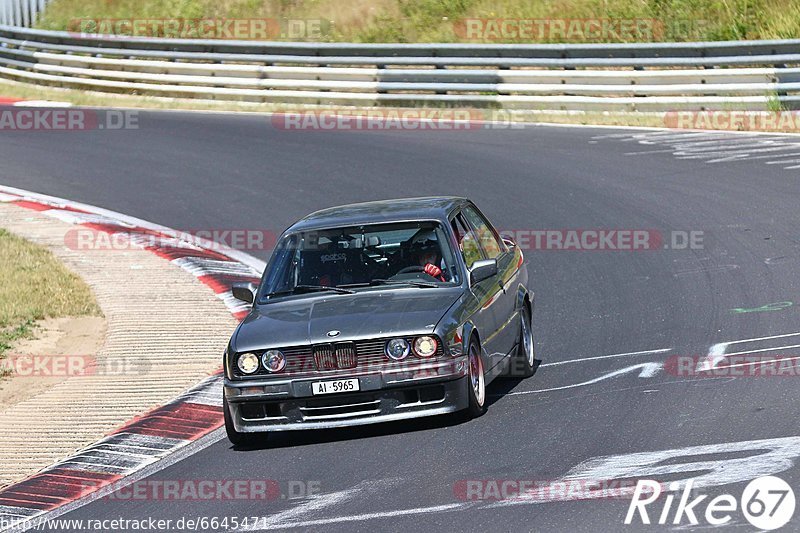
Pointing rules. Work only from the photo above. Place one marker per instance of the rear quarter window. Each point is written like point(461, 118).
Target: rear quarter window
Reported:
point(485, 235)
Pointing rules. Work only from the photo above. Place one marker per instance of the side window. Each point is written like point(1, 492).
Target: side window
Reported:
point(488, 241)
point(467, 241)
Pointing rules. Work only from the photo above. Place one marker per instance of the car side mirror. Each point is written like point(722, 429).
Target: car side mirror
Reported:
point(245, 292)
point(481, 270)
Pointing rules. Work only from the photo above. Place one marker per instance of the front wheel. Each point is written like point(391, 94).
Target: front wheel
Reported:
point(523, 363)
point(237, 438)
point(476, 383)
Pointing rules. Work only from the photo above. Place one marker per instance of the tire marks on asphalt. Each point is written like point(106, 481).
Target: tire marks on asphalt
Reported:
point(715, 147)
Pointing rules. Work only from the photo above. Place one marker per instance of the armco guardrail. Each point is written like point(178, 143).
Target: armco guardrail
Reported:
point(20, 12)
point(643, 77)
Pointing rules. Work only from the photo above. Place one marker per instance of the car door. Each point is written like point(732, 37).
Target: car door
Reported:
point(505, 306)
point(487, 294)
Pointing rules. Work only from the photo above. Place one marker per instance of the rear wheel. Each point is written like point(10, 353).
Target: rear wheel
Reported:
point(237, 438)
point(476, 382)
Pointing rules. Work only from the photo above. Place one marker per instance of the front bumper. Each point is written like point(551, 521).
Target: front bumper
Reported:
point(275, 404)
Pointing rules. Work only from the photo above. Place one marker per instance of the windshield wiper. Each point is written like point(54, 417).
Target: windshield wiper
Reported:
point(415, 283)
point(297, 289)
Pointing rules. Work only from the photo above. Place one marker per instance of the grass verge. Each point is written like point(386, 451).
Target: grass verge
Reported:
point(35, 285)
point(438, 20)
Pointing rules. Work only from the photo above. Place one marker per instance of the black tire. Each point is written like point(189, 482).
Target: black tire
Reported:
point(476, 382)
point(523, 364)
point(237, 438)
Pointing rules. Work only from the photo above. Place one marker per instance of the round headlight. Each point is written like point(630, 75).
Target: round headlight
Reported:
point(397, 349)
point(425, 346)
point(273, 360)
point(248, 363)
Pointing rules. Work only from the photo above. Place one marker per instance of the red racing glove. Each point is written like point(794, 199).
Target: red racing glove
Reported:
point(434, 271)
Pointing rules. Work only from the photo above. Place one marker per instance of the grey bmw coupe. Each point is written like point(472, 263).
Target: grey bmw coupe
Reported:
point(376, 312)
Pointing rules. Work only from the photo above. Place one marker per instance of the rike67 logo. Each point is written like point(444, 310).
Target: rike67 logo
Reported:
point(767, 503)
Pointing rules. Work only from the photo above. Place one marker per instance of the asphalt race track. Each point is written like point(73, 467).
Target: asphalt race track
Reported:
point(221, 171)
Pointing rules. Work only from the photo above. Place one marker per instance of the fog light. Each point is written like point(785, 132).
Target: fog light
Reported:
point(425, 346)
point(248, 363)
point(397, 349)
point(274, 360)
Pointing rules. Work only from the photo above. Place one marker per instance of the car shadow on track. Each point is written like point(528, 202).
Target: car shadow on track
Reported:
point(494, 392)
point(500, 387)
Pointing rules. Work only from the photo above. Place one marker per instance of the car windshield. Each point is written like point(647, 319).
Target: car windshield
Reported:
point(405, 253)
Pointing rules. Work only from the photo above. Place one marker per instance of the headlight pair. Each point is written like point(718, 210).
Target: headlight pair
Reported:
point(424, 346)
point(272, 360)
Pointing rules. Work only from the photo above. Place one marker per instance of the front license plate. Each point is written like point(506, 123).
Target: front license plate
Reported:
point(332, 387)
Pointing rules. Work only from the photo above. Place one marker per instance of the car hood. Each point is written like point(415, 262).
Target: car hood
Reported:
point(366, 314)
